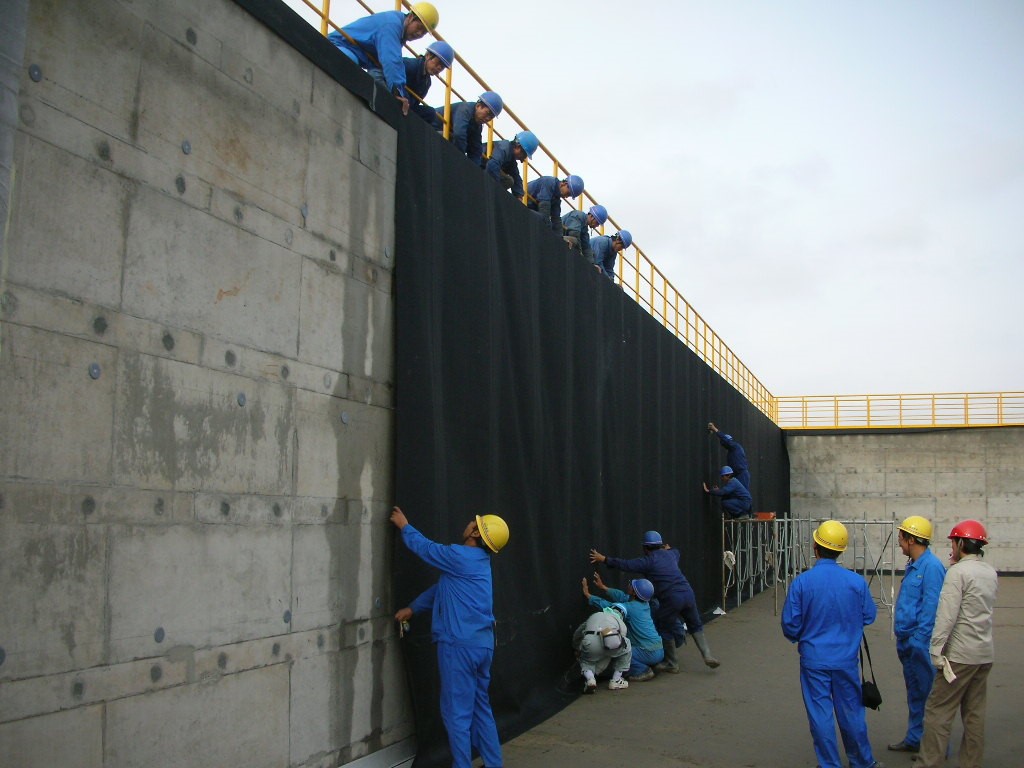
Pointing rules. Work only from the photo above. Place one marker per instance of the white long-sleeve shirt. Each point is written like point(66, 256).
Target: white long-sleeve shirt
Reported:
point(963, 622)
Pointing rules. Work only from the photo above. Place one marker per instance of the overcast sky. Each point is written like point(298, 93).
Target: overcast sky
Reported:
point(837, 187)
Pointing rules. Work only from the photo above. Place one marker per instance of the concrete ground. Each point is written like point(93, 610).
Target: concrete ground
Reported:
point(748, 713)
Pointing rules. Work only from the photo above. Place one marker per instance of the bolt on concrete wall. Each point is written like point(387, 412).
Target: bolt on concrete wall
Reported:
point(944, 476)
point(195, 399)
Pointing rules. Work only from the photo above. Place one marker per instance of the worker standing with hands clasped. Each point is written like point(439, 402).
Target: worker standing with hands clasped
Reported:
point(462, 626)
point(913, 622)
point(962, 648)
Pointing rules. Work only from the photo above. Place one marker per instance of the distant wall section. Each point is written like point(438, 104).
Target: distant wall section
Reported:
point(943, 475)
point(196, 354)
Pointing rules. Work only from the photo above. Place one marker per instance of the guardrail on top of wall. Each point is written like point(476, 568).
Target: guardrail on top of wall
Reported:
point(637, 274)
point(641, 279)
point(949, 409)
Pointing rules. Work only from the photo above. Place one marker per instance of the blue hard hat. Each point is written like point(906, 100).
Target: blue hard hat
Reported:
point(625, 236)
point(600, 213)
point(621, 608)
point(643, 589)
point(575, 185)
point(443, 51)
point(652, 539)
point(528, 141)
point(726, 470)
point(493, 101)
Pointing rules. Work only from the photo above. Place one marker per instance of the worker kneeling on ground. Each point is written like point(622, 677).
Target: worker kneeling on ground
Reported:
point(646, 643)
point(601, 641)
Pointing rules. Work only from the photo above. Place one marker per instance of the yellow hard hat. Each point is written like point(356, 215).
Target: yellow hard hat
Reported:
point(428, 14)
point(918, 526)
point(832, 535)
point(493, 530)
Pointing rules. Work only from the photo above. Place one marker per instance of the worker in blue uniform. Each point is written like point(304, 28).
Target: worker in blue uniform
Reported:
point(462, 626)
point(660, 566)
point(503, 164)
point(826, 611)
point(914, 621)
point(419, 75)
point(735, 457)
point(376, 41)
point(736, 499)
point(648, 648)
point(468, 119)
point(546, 193)
point(605, 248)
point(576, 226)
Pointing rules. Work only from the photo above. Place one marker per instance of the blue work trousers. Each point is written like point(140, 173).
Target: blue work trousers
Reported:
point(918, 674)
point(838, 690)
point(466, 706)
point(643, 659)
point(743, 475)
point(670, 607)
point(736, 508)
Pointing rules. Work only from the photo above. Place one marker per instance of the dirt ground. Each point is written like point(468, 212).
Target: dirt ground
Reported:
point(748, 713)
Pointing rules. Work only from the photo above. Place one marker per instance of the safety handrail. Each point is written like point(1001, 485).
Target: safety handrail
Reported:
point(648, 286)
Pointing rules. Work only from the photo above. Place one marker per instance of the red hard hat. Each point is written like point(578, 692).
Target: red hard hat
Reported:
point(969, 529)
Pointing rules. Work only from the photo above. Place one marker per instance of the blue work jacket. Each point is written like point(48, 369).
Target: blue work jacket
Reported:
point(735, 457)
point(462, 599)
point(545, 188)
point(661, 567)
point(604, 255)
point(642, 633)
point(503, 161)
point(574, 224)
point(918, 599)
point(733, 489)
point(826, 611)
point(466, 133)
point(378, 44)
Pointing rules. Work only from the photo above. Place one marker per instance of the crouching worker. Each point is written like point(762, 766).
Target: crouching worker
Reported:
point(606, 248)
point(601, 641)
point(503, 165)
point(736, 499)
point(376, 42)
point(468, 120)
point(576, 226)
point(546, 195)
point(419, 74)
point(644, 638)
point(462, 626)
point(660, 564)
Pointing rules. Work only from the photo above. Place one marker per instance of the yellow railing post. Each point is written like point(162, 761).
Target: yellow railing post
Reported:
point(325, 14)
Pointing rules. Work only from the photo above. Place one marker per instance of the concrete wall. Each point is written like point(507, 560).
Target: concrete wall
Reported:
point(944, 476)
point(195, 397)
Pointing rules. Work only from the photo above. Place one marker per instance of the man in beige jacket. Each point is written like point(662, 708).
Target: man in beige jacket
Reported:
point(961, 650)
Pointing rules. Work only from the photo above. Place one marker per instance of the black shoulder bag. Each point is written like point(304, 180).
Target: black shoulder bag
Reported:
point(870, 694)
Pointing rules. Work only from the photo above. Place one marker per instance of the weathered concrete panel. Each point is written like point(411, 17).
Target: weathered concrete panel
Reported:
point(190, 270)
point(241, 718)
point(55, 417)
point(963, 483)
point(344, 448)
point(73, 738)
point(860, 483)
point(336, 575)
point(79, 256)
point(53, 598)
point(183, 427)
point(907, 483)
point(203, 585)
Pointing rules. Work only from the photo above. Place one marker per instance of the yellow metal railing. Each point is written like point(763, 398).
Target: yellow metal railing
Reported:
point(948, 409)
point(640, 279)
point(637, 274)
